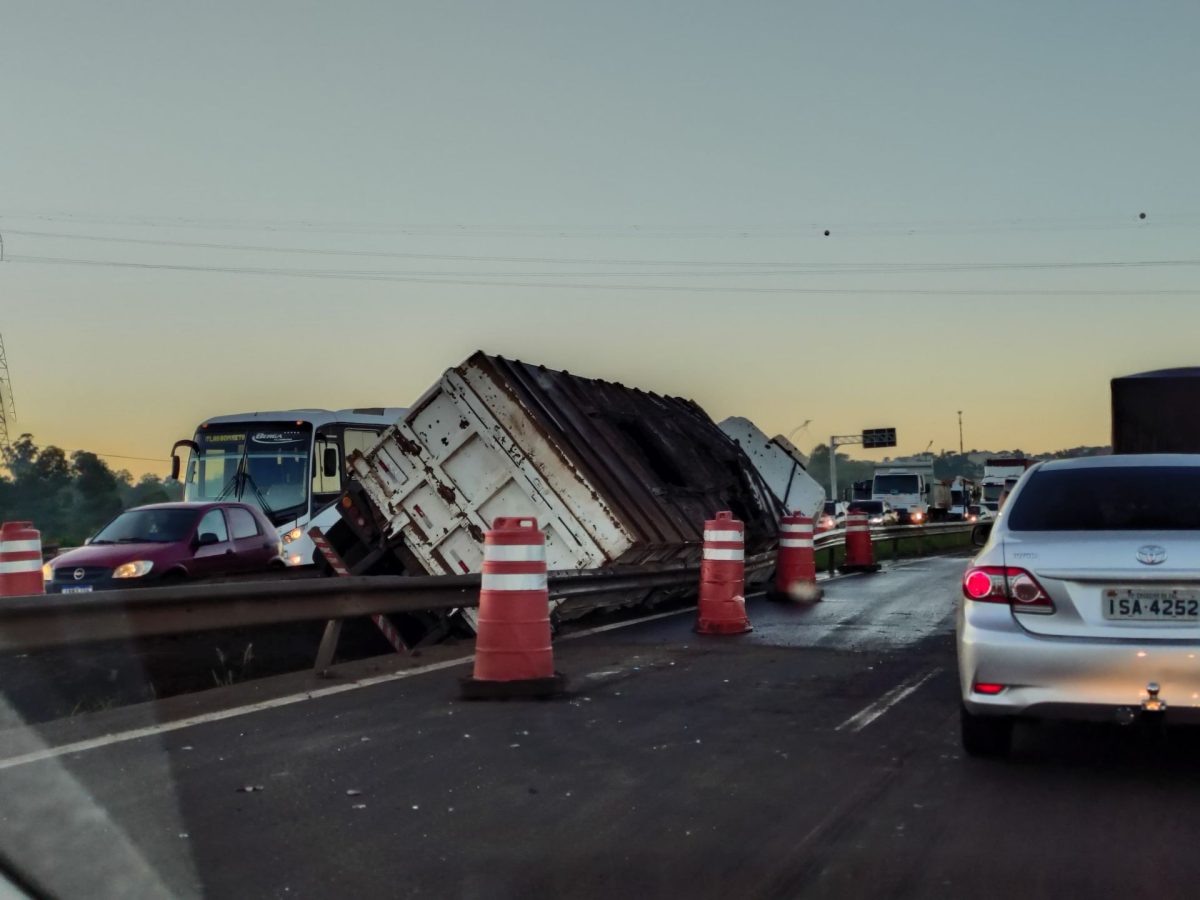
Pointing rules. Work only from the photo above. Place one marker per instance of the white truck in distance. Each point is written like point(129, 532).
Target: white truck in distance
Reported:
point(909, 486)
point(997, 471)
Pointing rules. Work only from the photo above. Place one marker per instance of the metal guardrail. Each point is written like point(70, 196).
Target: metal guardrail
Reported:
point(830, 540)
point(58, 620)
point(837, 537)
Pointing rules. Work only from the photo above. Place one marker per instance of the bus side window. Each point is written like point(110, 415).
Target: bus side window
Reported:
point(326, 487)
point(360, 439)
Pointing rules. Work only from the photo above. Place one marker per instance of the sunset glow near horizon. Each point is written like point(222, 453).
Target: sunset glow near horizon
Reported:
point(227, 209)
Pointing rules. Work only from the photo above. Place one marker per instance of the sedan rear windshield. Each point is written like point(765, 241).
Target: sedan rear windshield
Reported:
point(868, 506)
point(1126, 498)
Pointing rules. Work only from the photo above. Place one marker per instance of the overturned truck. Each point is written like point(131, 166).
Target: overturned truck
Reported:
point(614, 475)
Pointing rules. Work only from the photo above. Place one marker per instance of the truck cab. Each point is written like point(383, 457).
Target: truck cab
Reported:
point(962, 496)
point(911, 489)
point(999, 475)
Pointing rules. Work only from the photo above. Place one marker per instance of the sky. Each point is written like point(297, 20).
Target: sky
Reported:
point(221, 207)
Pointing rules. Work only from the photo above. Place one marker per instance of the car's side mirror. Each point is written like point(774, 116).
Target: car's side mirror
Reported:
point(980, 534)
point(206, 539)
point(329, 462)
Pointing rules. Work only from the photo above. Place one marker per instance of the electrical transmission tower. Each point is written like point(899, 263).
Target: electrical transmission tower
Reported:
point(8, 407)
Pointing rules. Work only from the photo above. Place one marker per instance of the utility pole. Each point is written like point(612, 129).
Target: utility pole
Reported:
point(960, 440)
point(8, 407)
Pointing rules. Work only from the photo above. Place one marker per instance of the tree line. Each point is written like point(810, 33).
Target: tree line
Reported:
point(68, 497)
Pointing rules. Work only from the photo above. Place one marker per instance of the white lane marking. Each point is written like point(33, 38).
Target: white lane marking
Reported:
point(220, 715)
point(865, 717)
point(121, 737)
point(600, 629)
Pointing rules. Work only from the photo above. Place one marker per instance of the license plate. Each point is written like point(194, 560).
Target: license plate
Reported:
point(1151, 606)
point(83, 589)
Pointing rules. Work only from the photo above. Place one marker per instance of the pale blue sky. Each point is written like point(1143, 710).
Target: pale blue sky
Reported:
point(669, 133)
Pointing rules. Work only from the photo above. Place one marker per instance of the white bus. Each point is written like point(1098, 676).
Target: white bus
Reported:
point(290, 462)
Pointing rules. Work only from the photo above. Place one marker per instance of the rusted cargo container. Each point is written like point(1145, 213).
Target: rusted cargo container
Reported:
point(615, 475)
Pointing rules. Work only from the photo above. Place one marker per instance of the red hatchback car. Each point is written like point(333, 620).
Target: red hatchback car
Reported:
point(167, 542)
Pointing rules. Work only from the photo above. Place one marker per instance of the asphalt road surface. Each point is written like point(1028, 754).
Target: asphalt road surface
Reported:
point(817, 756)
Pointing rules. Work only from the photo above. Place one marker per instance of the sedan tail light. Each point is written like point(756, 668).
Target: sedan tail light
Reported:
point(1005, 584)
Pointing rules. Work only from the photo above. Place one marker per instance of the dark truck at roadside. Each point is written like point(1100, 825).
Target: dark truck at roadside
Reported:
point(1155, 412)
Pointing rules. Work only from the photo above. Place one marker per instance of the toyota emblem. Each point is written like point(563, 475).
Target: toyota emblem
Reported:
point(1151, 554)
point(78, 574)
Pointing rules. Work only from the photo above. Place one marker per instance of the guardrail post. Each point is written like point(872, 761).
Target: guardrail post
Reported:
point(325, 653)
point(329, 642)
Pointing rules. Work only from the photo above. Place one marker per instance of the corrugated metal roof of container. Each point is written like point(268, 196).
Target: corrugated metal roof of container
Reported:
point(663, 464)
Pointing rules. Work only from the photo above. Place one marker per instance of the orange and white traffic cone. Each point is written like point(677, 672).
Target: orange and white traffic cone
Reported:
point(722, 605)
point(796, 563)
point(513, 656)
point(20, 560)
point(860, 554)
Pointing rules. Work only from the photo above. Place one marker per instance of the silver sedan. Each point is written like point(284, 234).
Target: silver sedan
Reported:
point(1085, 600)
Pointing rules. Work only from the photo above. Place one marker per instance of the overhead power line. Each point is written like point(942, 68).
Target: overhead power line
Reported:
point(814, 229)
point(691, 289)
point(741, 267)
point(161, 459)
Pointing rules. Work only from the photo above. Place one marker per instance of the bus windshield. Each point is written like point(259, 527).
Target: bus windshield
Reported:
point(263, 464)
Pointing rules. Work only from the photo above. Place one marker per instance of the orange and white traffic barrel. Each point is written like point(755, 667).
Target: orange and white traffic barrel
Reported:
point(513, 656)
point(860, 554)
point(20, 560)
point(796, 563)
point(721, 608)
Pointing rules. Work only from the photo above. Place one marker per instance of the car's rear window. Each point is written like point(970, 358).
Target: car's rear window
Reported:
point(1125, 498)
point(868, 506)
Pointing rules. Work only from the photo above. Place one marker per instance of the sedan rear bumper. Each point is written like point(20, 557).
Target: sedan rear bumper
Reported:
point(1074, 678)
